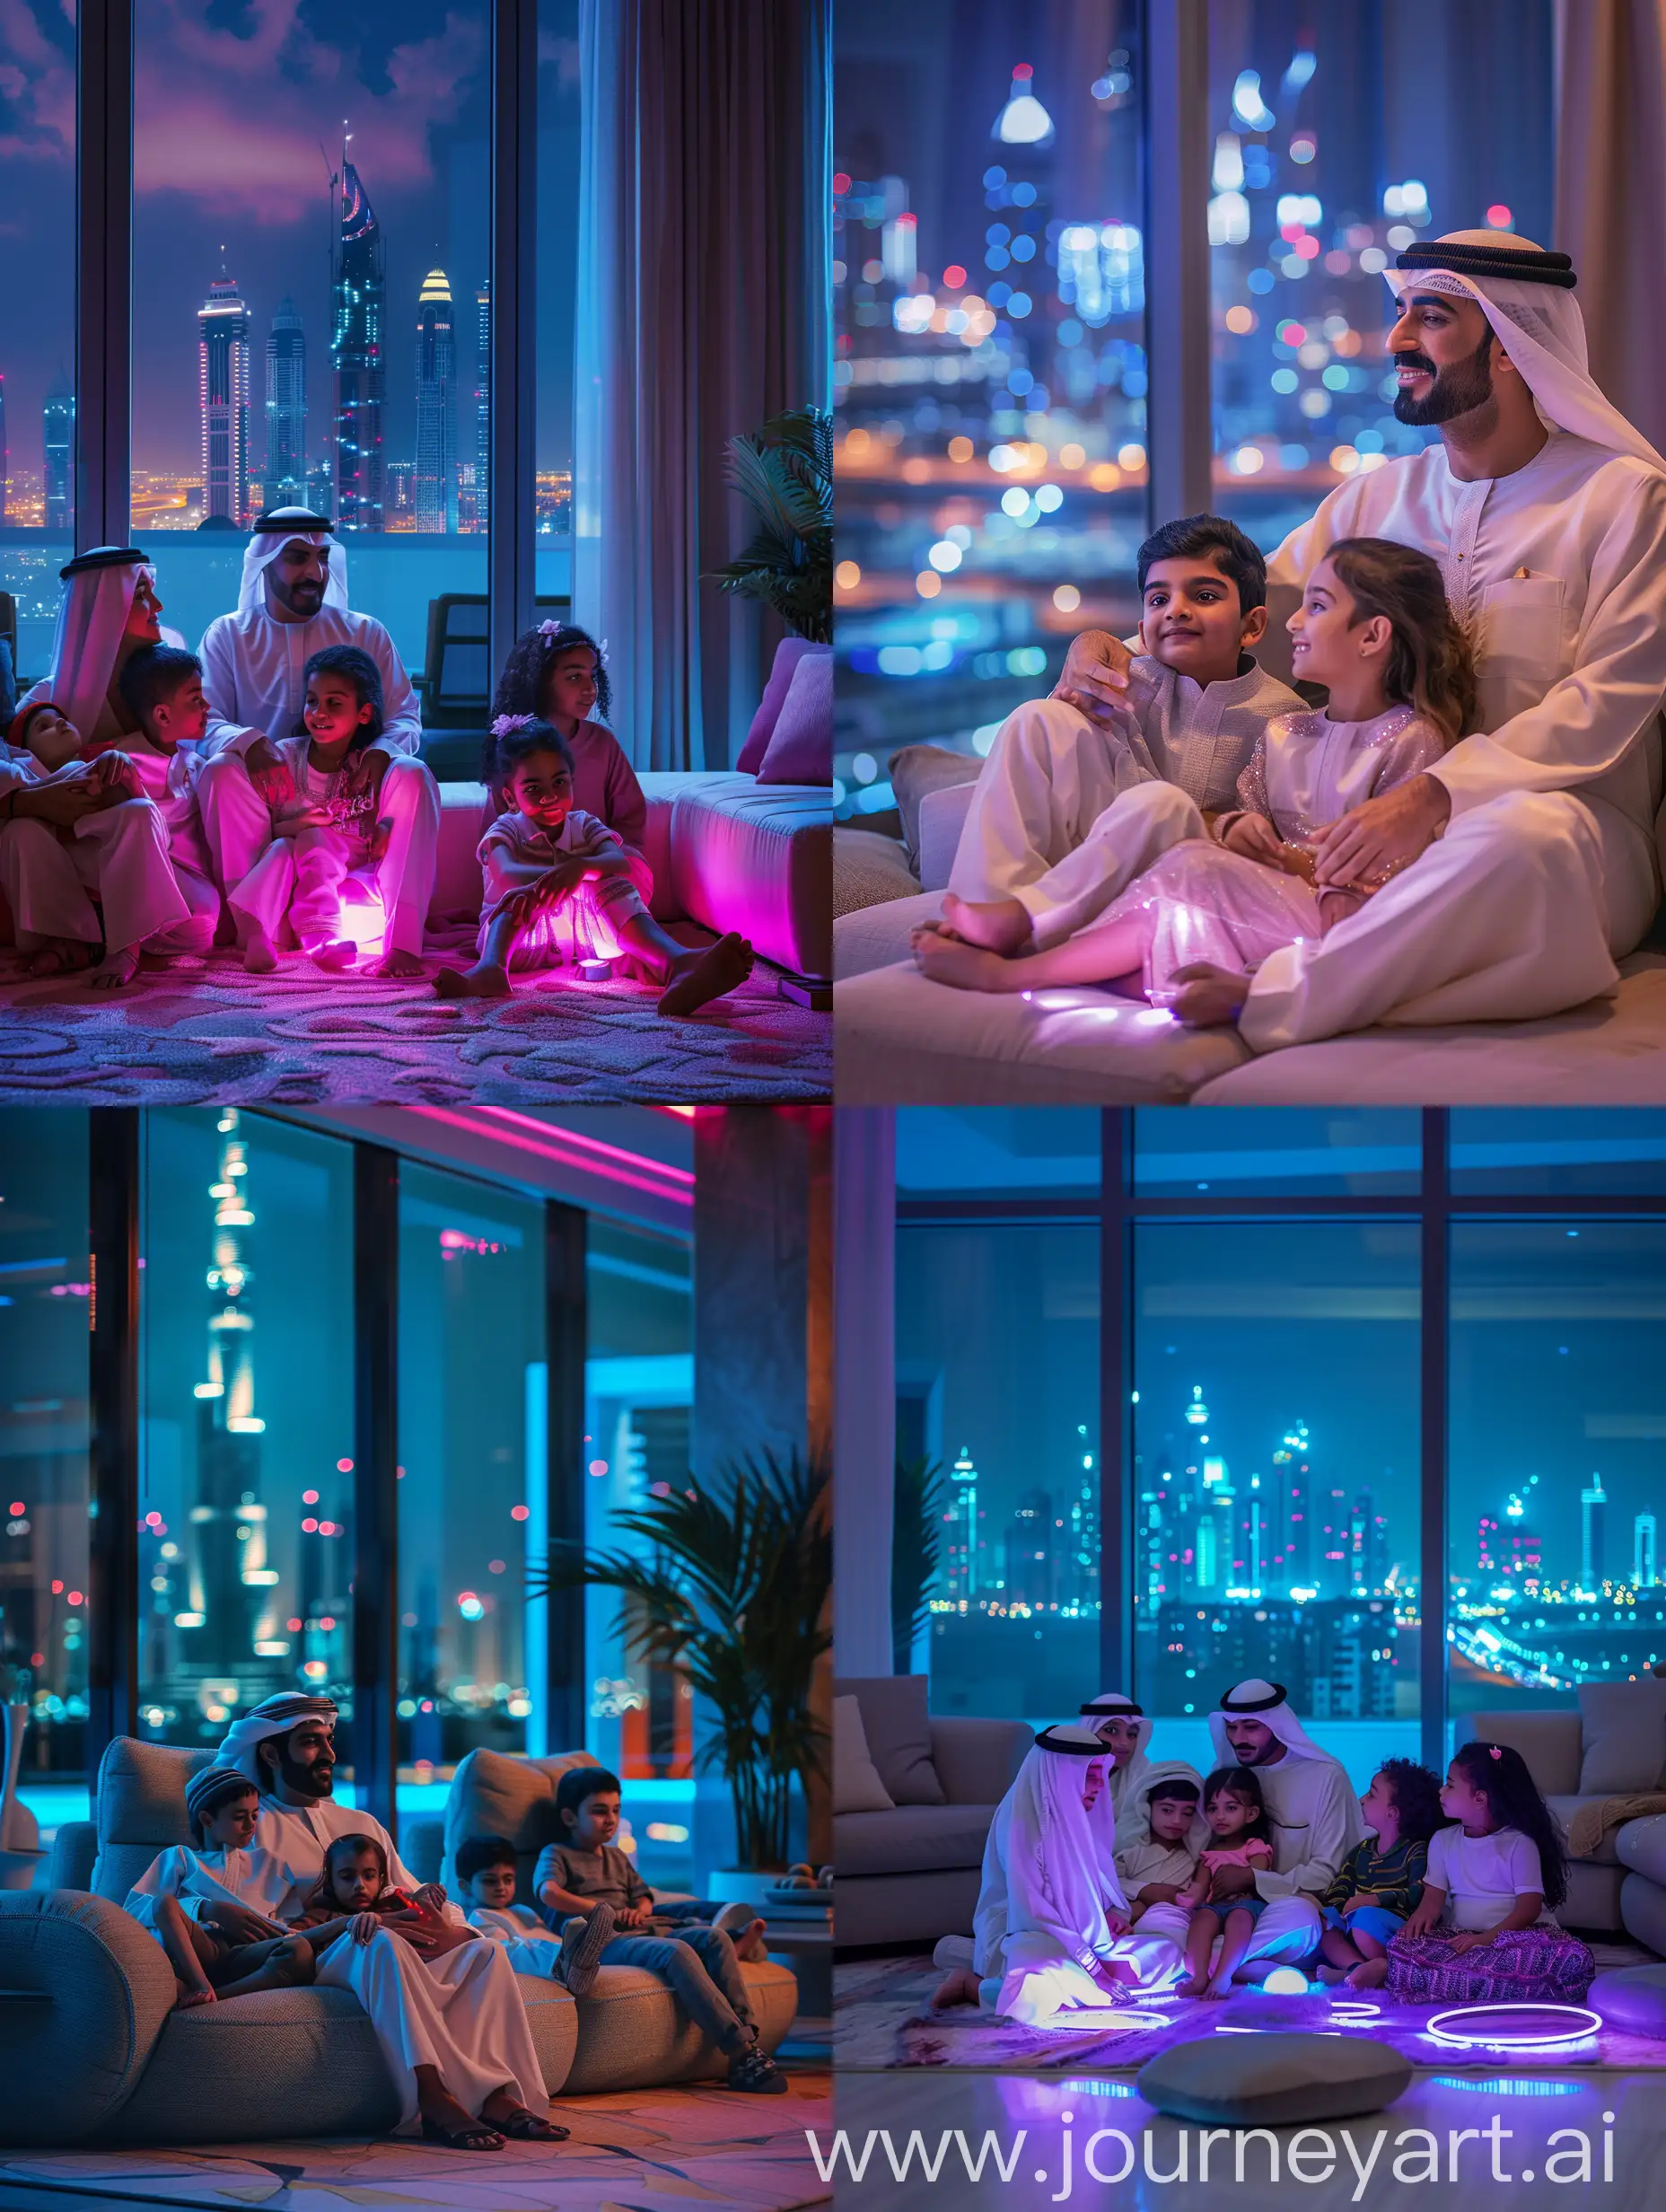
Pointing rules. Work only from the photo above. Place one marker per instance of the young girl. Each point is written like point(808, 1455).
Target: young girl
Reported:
point(330, 832)
point(558, 885)
point(353, 1895)
point(1374, 628)
point(1483, 1933)
point(1221, 1892)
point(1380, 1884)
point(208, 1963)
point(559, 675)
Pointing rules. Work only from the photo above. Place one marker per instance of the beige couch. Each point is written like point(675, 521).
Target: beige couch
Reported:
point(91, 2050)
point(1613, 1744)
point(911, 1874)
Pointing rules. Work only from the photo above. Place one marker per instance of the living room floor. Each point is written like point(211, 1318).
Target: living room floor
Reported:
point(658, 2150)
point(203, 1032)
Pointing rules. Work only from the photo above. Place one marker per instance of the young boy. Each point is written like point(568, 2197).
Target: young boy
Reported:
point(587, 1871)
point(485, 1872)
point(1156, 1870)
point(1066, 815)
point(177, 1895)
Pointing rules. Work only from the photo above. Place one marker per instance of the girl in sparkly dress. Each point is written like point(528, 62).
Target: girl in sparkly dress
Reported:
point(1374, 629)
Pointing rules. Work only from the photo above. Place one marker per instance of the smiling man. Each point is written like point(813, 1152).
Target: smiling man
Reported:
point(1524, 864)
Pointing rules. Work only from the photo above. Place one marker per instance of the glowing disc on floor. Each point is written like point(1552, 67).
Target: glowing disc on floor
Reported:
point(1285, 1981)
point(1545, 2027)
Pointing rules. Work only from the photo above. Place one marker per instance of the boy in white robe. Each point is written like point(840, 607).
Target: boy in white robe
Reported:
point(485, 1870)
point(444, 2003)
point(1124, 1728)
point(1153, 1871)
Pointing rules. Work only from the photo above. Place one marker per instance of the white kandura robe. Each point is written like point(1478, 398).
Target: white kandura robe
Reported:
point(120, 852)
point(1052, 776)
point(460, 2012)
point(194, 1879)
point(530, 1946)
point(306, 880)
point(1547, 870)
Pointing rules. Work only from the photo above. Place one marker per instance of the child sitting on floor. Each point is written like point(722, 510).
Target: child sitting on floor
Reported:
point(1155, 1869)
point(1380, 1884)
point(330, 834)
point(558, 885)
point(586, 1873)
point(559, 675)
point(221, 1806)
point(1221, 1891)
point(1484, 1933)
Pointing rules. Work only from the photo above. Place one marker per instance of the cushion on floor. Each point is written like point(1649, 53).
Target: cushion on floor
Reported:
point(1632, 1998)
point(912, 1840)
point(1268, 2081)
point(755, 857)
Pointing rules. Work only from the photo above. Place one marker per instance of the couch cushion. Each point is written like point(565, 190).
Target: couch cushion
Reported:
point(899, 1729)
point(1268, 2081)
point(912, 1840)
point(633, 2035)
point(904, 1040)
point(1623, 1733)
point(917, 770)
point(1565, 1808)
point(1548, 1740)
point(877, 936)
point(756, 858)
point(88, 1994)
point(140, 1809)
point(789, 653)
point(1640, 1845)
point(494, 1795)
point(869, 870)
point(943, 818)
point(1633, 1999)
point(857, 1785)
point(801, 744)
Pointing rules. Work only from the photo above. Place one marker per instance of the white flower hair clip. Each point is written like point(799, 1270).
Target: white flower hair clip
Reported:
point(549, 628)
point(505, 726)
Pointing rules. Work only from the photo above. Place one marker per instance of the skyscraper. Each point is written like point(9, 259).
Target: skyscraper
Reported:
point(436, 406)
point(5, 455)
point(286, 483)
point(1590, 1505)
point(1642, 1570)
point(483, 407)
point(360, 306)
point(58, 433)
point(222, 325)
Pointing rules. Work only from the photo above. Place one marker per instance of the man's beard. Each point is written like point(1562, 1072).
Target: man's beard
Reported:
point(304, 1781)
point(302, 598)
point(1458, 390)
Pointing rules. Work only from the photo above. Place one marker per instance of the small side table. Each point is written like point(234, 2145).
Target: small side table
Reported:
point(802, 1936)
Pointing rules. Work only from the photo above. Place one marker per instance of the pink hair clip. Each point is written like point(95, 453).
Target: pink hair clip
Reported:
point(1495, 1750)
point(505, 724)
point(549, 628)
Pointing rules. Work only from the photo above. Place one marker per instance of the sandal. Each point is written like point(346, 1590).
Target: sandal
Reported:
point(756, 2071)
point(524, 2127)
point(479, 2135)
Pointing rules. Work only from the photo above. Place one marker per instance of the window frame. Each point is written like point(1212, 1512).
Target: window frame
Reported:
point(1118, 1209)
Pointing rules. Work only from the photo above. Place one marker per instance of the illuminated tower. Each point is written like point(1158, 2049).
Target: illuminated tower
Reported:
point(1591, 1503)
point(5, 454)
point(963, 1573)
point(1215, 1526)
point(436, 406)
point(286, 484)
point(357, 340)
point(223, 327)
point(480, 498)
point(1642, 1570)
point(58, 431)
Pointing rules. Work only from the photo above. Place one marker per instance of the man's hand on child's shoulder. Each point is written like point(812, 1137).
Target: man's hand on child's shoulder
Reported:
point(1094, 678)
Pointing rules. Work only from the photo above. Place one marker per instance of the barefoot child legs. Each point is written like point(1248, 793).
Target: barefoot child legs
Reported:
point(1112, 951)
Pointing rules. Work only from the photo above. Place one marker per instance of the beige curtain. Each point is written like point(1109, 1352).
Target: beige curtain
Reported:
point(1612, 193)
point(703, 309)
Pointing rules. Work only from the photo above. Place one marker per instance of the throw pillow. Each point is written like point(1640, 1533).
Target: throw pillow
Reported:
point(789, 653)
point(857, 1785)
point(868, 870)
point(801, 746)
point(1269, 2080)
point(1622, 1736)
point(916, 770)
point(899, 1730)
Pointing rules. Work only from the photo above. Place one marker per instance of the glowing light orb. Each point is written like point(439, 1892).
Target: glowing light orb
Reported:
point(1581, 2022)
point(1285, 1981)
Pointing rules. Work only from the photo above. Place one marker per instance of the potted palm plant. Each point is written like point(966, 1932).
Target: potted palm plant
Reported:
point(727, 1583)
point(784, 474)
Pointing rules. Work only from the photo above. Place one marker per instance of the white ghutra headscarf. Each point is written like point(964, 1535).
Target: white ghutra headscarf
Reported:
point(276, 1717)
point(1049, 1865)
point(98, 596)
point(1537, 320)
point(282, 526)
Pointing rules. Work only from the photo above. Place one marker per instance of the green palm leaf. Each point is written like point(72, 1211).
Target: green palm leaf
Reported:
point(785, 473)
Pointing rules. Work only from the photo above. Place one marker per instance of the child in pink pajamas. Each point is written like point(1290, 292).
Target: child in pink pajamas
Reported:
point(558, 886)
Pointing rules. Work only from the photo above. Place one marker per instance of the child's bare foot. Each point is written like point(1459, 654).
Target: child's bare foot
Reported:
point(116, 970)
point(1369, 1974)
point(998, 925)
point(333, 957)
point(967, 967)
point(749, 1943)
point(1198, 1986)
point(188, 1998)
point(1210, 996)
point(484, 979)
point(258, 957)
point(398, 963)
point(959, 1988)
point(63, 957)
point(697, 977)
point(1221, 1987)
point(1332, 1975)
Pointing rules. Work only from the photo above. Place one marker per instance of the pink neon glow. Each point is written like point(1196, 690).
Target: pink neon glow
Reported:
point(519, 1512)
point(344, 1467)
point(308, 1498)
point(591, 1143)
point(310, 1526)
point(549, 1151)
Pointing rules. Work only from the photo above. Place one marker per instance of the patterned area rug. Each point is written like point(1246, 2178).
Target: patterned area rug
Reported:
point(883, 2021)
point(204, 1032)
point(662, 2150)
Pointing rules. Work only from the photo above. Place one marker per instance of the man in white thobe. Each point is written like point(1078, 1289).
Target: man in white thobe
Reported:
point(1522, 866)
point(1315, 1819)
point(1051, 1938)
point(448, 2014)
point(293, 600)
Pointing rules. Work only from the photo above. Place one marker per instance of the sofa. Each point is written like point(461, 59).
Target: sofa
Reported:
point(92, 2051)
point(903, 1040)
point(911, 1874)
point(1612, 1744)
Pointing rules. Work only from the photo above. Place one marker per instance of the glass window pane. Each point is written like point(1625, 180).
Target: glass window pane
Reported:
point(246, 1396)
point(1275, 1441)
point(44, 1287)
point(1545, 1151)
point(990, 373)
point(307, 260)
point(998, 1391)
point(472, 1488)
point(1340, 138)
point(1294, 1151)
point(1558, 1413)
point(1000, 1151)
point(38, 356)
point(638, 1400)
point(558, 113)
